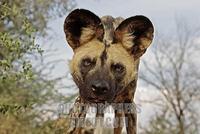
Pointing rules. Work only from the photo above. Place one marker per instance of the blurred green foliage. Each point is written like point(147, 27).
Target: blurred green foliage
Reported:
point(160, 124)
point(23, 90)
point(38, 12)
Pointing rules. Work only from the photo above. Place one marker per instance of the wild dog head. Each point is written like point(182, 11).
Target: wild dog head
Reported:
point(106, 52)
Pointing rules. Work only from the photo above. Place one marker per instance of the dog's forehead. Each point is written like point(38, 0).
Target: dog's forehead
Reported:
point(110, 24)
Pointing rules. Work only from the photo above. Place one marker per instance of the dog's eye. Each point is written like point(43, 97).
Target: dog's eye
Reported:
point(117, 68)
point(88, 62)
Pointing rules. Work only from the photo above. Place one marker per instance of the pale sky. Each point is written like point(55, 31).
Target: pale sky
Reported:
point(161, 13)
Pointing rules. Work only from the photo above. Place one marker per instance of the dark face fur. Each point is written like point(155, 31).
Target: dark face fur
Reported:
point(106, 56)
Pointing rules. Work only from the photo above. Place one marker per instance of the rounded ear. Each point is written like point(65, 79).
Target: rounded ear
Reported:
point(81, 26)
point(135, 34)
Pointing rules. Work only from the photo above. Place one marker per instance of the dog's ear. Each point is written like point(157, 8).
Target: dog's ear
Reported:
point(135, 34)
point(81, 26)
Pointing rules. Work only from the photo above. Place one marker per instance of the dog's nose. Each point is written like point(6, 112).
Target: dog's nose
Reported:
point(100, 87)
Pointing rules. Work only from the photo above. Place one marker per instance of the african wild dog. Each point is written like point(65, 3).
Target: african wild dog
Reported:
point(106, 58)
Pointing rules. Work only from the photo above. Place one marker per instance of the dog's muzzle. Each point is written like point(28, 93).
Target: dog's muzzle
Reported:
point(100, 87)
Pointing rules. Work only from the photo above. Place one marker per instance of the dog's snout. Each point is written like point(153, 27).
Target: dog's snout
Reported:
point(100, 87)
